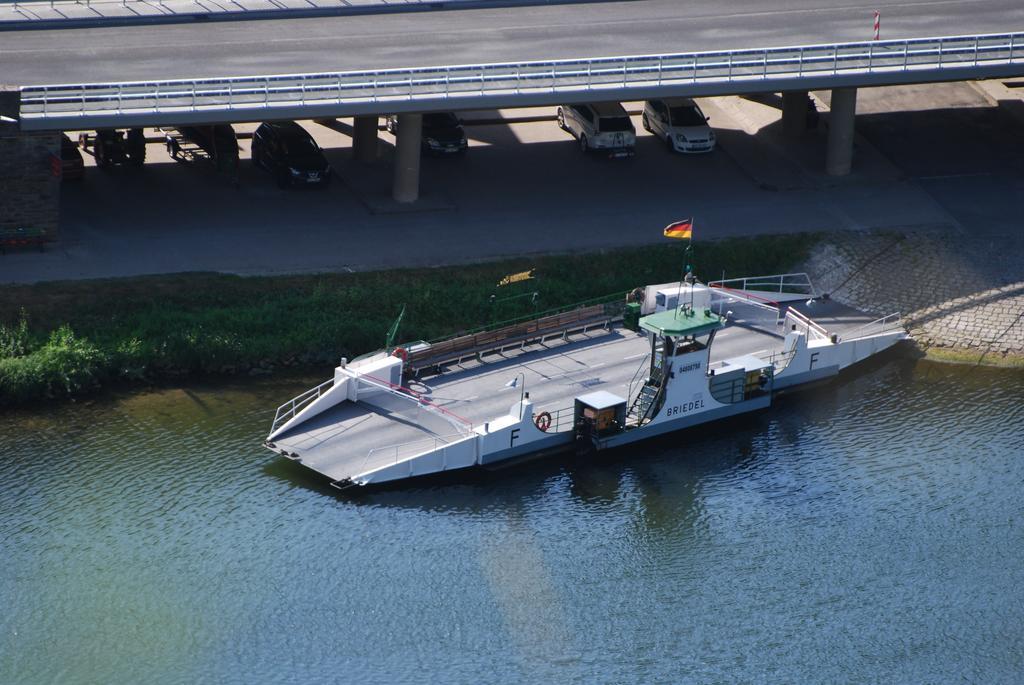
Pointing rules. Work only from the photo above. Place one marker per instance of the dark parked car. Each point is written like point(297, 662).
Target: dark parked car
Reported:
point(113, 147)
point(442, 133)
point(218, 141)
point(71, 165)
point(286, 150)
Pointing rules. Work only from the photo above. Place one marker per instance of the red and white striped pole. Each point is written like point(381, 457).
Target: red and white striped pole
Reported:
point(878, 23)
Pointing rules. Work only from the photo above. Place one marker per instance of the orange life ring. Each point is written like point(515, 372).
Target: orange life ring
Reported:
point(401, 353)
point(543, 421)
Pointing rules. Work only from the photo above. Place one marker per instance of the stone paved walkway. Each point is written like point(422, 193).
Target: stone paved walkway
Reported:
point(953, 290)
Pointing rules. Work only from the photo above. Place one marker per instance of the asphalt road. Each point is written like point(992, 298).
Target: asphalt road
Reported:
point(473, 36)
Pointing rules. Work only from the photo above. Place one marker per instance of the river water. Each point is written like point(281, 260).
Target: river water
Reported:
point(869, 530)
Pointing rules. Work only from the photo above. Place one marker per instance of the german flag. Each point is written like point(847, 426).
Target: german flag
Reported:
point(680, 229)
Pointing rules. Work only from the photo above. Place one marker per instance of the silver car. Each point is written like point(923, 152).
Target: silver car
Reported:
point(680, 123)
point(602, 127)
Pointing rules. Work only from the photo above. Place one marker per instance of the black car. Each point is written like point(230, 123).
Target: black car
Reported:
point(112, 147)
point(286, 150)
point(442, 133)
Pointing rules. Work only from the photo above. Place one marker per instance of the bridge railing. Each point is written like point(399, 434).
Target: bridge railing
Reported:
point(464, 82)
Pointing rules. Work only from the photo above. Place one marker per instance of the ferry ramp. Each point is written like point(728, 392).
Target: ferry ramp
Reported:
point(356, 437)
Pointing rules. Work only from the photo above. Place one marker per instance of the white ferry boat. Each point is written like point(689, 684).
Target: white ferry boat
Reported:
point(587, 379)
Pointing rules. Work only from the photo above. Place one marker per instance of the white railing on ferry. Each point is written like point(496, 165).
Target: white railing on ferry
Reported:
point(555, 76)
point(561, 419)
point(389, 455)
point(293, 406)
point(812, 329)
point(779, 359)
point(392, 454)
point(776, 283)
point(880, 325)
point(640, 372)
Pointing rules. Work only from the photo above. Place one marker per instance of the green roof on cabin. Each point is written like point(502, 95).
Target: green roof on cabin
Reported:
point(679, 322)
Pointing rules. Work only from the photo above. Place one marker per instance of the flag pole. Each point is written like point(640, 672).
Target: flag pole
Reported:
point(679, 290)
point(689, 267)
point(685, 228)
point(686, 275)
point(687, 272)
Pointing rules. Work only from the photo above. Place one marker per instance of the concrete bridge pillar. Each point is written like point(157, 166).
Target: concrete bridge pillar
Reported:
point(364, 139)
point(839, 157)
point(794, 113)
point(29, 173)
point(407, 158)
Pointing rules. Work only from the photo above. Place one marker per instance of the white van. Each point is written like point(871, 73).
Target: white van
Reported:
point(680, 123)
point(604, 126)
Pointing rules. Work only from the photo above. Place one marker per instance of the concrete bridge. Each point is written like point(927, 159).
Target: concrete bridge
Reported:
point(365, 67)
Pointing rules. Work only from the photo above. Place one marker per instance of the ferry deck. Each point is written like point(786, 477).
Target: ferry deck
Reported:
point(355, 437)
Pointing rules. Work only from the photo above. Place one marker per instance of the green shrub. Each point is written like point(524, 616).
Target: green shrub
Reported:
point(63, 366)
point(14, 340)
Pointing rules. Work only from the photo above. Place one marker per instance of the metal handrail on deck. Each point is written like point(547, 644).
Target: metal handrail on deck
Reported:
point(559, 417)
point(429, 445)
point(296, 404)
point(779, 359)
point(776, 283)
point(809, 325)
point(881, 325)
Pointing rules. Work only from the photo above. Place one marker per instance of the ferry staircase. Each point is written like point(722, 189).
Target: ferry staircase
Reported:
point(643, 406)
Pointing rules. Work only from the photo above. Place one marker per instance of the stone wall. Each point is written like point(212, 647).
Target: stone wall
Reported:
point(954, 290)
point(29, 190)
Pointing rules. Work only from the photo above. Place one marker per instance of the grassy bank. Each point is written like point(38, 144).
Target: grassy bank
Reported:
point(954, 355)
point(62, 339)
